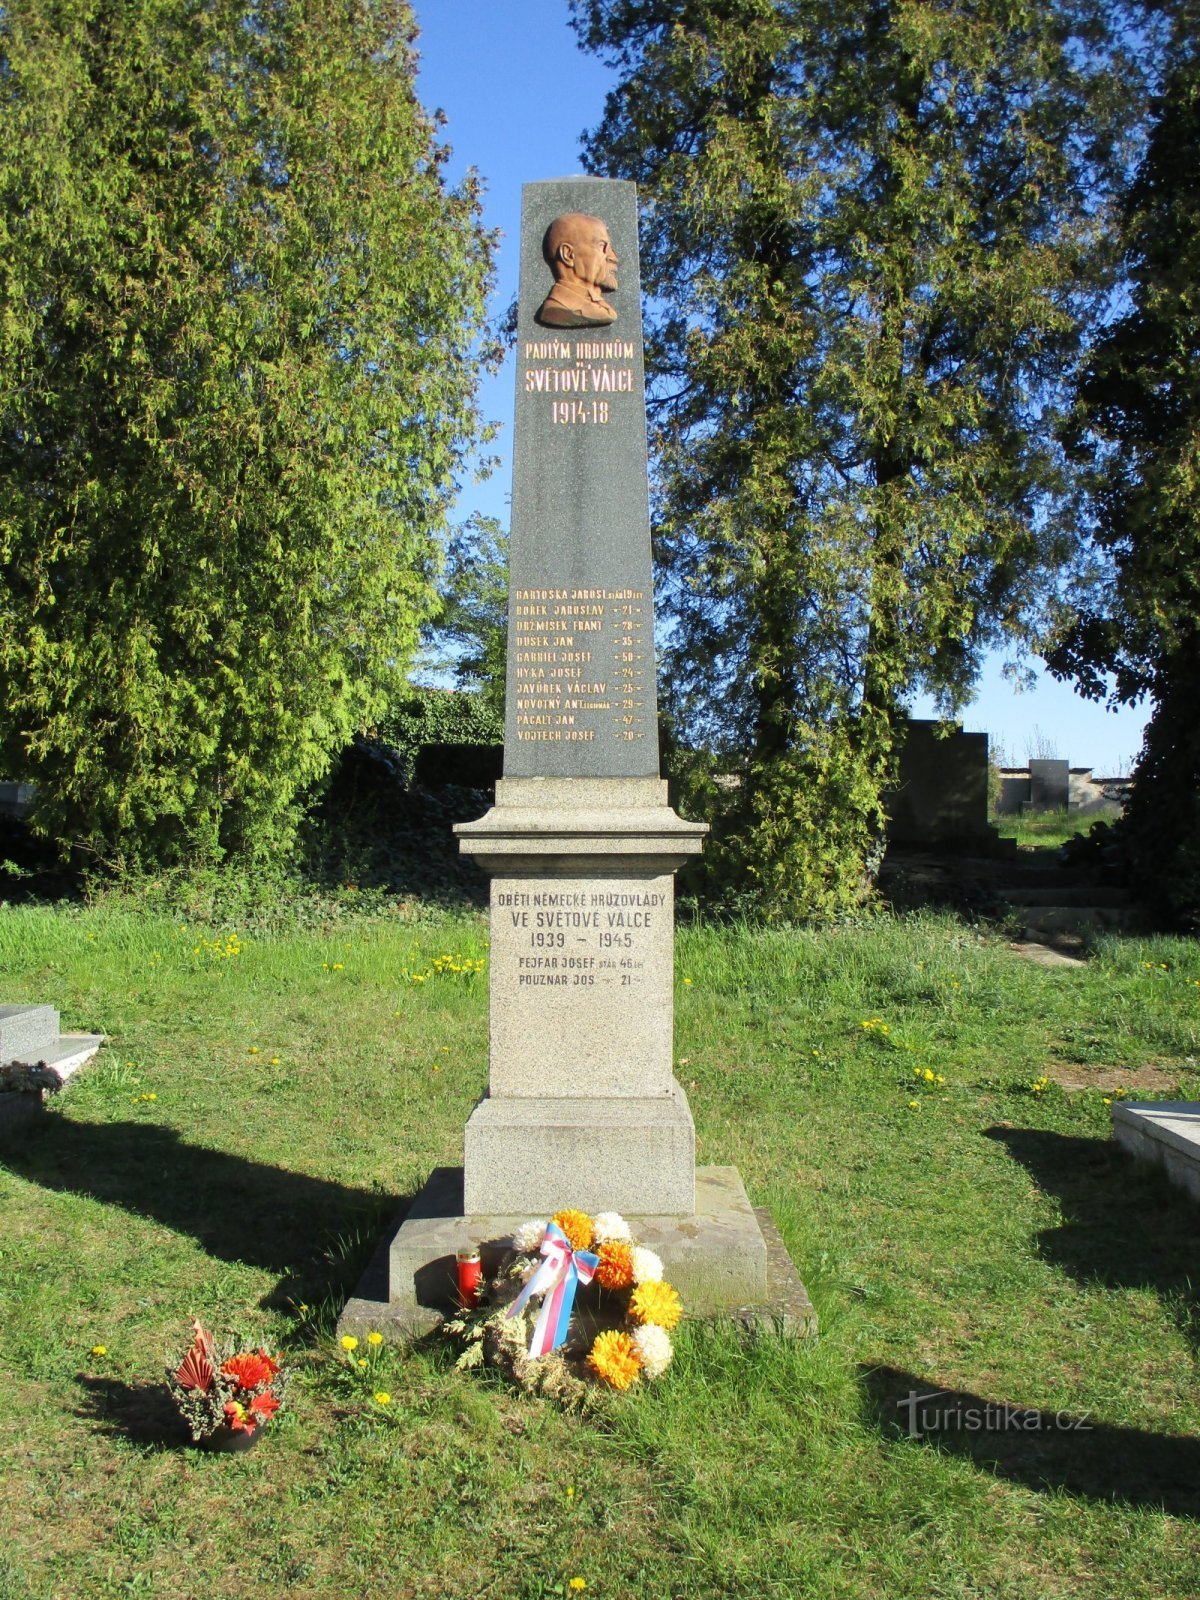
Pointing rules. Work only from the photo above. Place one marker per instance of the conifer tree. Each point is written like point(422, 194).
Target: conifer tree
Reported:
point(240, 310)
point(1140, 420)
point(873, 235)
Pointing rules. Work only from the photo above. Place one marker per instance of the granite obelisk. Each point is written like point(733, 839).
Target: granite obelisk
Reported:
point(582, 1107)
point(581, 845)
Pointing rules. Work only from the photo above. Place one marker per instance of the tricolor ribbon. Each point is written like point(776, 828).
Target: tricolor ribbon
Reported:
point(557, 1278)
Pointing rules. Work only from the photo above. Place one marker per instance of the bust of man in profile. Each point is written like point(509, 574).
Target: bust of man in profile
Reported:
point(579, 253)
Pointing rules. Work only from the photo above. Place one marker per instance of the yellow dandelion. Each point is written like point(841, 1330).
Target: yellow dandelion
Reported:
point(382, 1397)
point(349, 1342)
point(577, 1583)
point(99, 1349)
point(362, 1361)
point(374, 1338)
point(614, 1359)
point(656, 1302)
point(914, 1105)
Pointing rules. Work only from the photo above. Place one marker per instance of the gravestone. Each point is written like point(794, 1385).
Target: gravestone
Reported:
point(1049, 785)
point(581, 847)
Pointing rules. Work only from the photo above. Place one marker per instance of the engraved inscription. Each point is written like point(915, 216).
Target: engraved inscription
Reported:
point(581, 659)
point(592, 372)
point(579, 939)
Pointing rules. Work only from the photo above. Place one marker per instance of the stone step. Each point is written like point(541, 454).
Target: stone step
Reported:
point(1064, 894)
point(1166, 1132)
point(25, 1028)
point(1041, 920)
point(64, 1055)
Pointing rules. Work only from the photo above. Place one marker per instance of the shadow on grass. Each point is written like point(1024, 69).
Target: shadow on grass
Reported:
point(1044, 1450)
point(1124, 1225)
point(315, 1233)
point(143, 1413)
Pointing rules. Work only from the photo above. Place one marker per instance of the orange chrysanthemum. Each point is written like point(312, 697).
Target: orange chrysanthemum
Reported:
point(251, 1370)
point(657, 1303)
point(614, 1358)
point(616, 1266)
point(577, 1226)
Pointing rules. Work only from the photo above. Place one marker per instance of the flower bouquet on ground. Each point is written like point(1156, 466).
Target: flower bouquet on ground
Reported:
point(575, 1299)
point(226, 1395)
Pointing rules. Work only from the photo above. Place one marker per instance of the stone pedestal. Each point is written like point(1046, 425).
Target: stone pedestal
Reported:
point(581, 1092)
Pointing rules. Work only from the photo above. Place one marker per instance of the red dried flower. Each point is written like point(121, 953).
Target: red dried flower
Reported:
point(196, 1368)
point(251, 1369)
point(263, 1406)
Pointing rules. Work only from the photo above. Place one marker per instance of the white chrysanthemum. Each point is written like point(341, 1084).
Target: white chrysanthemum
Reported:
point(609, 1228)
point(647, 1267)
point(529, 1235)
point(653, 1345)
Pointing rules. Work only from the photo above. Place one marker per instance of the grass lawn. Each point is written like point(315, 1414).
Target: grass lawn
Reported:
point(265, 1105)
point(1045, 830)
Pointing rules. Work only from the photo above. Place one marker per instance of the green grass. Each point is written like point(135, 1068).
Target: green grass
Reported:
point(986, 1240)
point(1048, 829)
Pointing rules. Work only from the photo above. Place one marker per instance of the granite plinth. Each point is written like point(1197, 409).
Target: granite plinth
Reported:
point(572, 826)
point(1165, 1132)
point(613, 1154)
point(726, 1260)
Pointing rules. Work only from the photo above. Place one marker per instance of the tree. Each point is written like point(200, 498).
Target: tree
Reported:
point(872, 237)
point(1139, 419)
point(237, 362)
point(470, 633)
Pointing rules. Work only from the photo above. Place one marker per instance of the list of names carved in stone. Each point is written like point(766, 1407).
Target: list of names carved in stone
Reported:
point(581, 661)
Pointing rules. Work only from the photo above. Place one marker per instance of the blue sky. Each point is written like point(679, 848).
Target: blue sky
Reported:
point(517, 93)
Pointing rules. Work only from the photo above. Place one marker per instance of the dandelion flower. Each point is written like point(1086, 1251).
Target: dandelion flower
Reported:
point(614, 1359)
point(349, 1342)
point(577, 1583)
point(653, 1345)
point(609, 1225)
point(253, 1049)
point(362, 1361)
point(382, 1397)
point(914, 1105)
point(374, 1338)
point(529, 1235)
point(99, 1349)
point(647, 1267)
point(577, 1226)
point(655, 1301)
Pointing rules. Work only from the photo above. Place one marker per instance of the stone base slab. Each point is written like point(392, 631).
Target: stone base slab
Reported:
point(1166, 1132)
point(532, 1155)
point(726, 1259)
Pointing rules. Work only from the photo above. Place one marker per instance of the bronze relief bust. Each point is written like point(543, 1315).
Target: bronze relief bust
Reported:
point(579, 253)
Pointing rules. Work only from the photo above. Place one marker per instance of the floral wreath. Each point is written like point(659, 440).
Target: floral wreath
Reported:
point(549, 1262)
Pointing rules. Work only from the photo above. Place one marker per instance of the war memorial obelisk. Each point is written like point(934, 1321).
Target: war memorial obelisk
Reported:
point(581, 846)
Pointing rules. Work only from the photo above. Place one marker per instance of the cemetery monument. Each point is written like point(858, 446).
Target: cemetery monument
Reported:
point(581, 846)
